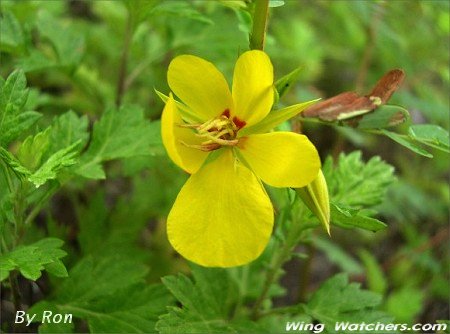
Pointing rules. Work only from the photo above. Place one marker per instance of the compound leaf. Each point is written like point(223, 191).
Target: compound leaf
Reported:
point(206, 302)
point(31, 260)
point(337, 300)
point(356, 184)
point(110, 294)
point(120, 133)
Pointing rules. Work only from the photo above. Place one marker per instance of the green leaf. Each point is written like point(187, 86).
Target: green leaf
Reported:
point(338, 256)
point(11, 33)
point(384, 116)
point(180, 9)
point(206, 302)
point(405, 304)
point(185, 112)
point(120, 133)
point(93, 223)
point(354, 183)
point(407, 142)
point(68, 129)
point(276, 117)
point(376, 279)
point(139, 9)
point(283, 84)
point(33, 259)
point(62, 327)
point(49, 170)
point(67, 43)
point(431, 135)
point(13, 96)
point(14, 126)
point(338, 300)
point(351, 218)
point(66, 46)
point(32, 149)
point(110, 294)
point(37, 61)
point(276, 3)
point(14, 164)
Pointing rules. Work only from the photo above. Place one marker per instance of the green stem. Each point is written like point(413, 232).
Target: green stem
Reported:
point(305, 274)
point(260, 16)
point(8, 178)
point(123, 61)
point(14, 285)
point(280, 257)
point(37, 208)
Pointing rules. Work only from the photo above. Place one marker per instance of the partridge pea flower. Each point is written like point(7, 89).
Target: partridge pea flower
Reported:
point(222, 216)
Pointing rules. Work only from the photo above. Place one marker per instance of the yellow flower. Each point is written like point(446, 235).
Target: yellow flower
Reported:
point(222, 216)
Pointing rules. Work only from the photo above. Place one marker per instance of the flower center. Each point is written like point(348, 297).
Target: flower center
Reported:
point(217, 132)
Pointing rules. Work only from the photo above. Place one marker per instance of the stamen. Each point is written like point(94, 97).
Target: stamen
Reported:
point(202, 147)
point(218, 132)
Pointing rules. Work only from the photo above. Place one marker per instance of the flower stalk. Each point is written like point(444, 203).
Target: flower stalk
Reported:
point(260, 17)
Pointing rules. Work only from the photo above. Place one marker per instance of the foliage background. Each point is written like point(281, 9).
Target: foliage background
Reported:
point(87, 56)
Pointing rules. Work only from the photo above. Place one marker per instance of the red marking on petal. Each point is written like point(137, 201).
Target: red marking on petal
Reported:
point(240, 124)
point(226, 113)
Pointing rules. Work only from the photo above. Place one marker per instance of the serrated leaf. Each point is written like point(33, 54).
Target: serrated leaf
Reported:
point(384, 116)
point(13, 93)
point(49, 170)
point(14, 126)
point(33, 148)
point(68, 129)
point(13, 96)
point(407, 142)
point(120, 133)
point(33, 259)
point(122, 303)
point(338, 300)
point(14, 164)
point(355, 183)
point(351, 218)
point(206, 302)
point(430, 135)
point(275, 118)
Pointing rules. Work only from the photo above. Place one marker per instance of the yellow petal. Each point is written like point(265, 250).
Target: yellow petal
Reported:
point(200, 86)
point(187, 158)
point(222, 216)
point(281, 159)
point(253, 86)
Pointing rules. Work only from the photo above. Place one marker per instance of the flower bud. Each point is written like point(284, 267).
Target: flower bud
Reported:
point(315, 196)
